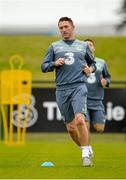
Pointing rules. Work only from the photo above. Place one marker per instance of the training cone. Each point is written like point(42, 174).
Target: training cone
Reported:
point(47, 164)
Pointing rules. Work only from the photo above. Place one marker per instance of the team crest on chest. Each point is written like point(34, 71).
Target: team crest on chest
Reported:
point(91, 79)
point(99, 67)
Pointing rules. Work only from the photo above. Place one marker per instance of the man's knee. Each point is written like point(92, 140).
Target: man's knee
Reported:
point(79, 119)
point(71, 127)
point(99, 127)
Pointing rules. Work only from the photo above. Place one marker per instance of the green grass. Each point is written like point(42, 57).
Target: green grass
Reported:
point(24, 162)
point(33, 48)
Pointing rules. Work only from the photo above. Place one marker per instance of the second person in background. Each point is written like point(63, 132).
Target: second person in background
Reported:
point(96, 82)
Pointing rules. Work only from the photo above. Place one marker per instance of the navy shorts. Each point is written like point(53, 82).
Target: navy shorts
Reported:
point(96, 116)
point(72, 101)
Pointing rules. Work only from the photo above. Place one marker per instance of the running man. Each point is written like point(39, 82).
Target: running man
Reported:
point(96, 82)
point(68, 57)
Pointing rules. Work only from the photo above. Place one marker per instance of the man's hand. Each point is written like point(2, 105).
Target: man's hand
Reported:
point(88, 70)
point(103, 81)
point(59, 62)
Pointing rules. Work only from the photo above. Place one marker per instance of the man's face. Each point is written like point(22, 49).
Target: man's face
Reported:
point(91, 46)
point(66, 29)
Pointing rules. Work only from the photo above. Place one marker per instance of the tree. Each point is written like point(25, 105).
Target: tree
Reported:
point(122, 12)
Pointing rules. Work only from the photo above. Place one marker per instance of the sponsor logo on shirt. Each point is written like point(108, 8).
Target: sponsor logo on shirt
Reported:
point(69, 58)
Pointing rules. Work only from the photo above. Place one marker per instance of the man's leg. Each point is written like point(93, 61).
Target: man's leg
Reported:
point(83, 131)
point(78, 130)
point(88, 120)
point(79, 104)
point(99, 120)
point(99, 127)
point(82, 128)
point(73, 131)
point(79, 133)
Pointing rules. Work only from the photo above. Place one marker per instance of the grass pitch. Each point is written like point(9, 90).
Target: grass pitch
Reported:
point(33, 48)
point(25, 161)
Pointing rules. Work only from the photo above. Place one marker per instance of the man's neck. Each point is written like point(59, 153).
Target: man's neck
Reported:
point(70, 38)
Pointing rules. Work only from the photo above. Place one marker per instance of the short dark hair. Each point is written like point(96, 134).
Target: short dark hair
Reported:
point(88, 39)
point(66, 19)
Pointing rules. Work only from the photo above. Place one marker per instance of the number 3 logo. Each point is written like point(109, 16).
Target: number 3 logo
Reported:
point(69, 58)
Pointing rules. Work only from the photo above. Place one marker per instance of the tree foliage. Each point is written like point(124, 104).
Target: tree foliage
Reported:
point(122, 13)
